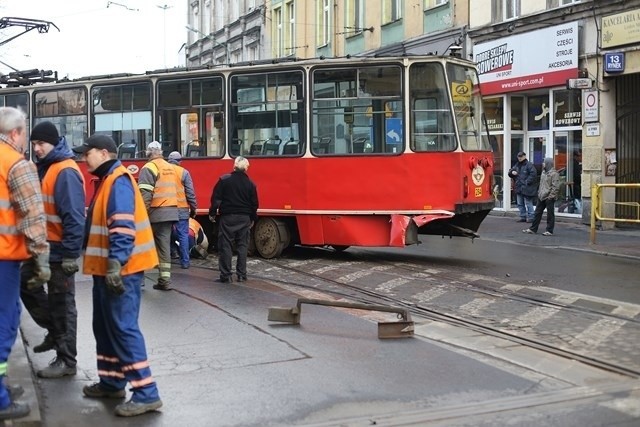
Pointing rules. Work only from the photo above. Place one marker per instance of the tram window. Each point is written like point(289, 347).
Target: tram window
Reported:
point(268, 109)
point(357, 110)
point(432, 127)
point(467, 106)
point(67, 109)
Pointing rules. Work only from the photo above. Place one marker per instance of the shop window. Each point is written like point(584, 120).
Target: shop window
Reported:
point(538, 112)
point(567, 108)
point(517, 113)
point(494, 111)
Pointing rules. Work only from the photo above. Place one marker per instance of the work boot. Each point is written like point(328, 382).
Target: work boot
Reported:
point(47, 344)
point(96, 390)
point(131, 408)
point(57, 369)
point(163, 285)
point(15, 410)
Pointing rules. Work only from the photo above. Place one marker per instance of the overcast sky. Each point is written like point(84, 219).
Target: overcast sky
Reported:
point(128, 36)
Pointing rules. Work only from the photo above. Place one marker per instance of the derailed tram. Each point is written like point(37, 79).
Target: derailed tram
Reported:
point(345, 152)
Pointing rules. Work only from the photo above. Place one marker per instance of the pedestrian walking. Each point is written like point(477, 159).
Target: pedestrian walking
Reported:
point(234, 205)
point(525, 180)
point(64, 202)
point(23, 236)
point(187, 206)
point(157, 183)
point(547, 195)
point(118, 249)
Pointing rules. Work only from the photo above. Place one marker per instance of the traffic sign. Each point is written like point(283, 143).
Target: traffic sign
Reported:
point(590, 102)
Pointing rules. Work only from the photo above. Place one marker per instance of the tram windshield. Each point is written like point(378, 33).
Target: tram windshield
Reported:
point(467, 106)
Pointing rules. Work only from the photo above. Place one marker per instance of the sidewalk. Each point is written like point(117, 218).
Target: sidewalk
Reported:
point(569, 233)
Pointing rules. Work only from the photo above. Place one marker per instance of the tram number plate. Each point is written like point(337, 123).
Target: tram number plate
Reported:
point(478, 191)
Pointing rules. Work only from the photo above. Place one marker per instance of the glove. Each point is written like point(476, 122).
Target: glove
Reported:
point(69, 266)
point(192, 213)
point(41, 271)
point(212, 218)
point(113, 278)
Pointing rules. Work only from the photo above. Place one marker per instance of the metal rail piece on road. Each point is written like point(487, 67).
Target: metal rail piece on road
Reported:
point(400, 329)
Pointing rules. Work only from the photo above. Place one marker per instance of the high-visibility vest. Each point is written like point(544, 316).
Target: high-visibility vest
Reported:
point(181, 195)
point(54, 223)
point(13, 245)
point(164, 192)
point(144, 255)
point(195, 227)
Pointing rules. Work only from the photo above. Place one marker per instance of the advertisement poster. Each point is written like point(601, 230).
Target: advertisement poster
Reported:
point(537, 59)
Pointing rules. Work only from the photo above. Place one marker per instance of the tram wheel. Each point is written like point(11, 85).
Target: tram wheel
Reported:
point(270, 236)
point(339, 248)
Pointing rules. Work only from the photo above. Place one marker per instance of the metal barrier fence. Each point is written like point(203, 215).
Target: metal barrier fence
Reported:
point(598, 204)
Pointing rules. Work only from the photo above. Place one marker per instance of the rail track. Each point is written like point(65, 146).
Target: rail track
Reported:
point(520, 313)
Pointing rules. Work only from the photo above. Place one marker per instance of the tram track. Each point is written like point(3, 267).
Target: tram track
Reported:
point(291, 273)
point(301, 278)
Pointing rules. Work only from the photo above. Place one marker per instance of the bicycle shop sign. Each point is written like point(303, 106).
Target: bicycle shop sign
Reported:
point(510, 64)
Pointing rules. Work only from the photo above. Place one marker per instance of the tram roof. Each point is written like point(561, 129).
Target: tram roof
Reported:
point(261, 64)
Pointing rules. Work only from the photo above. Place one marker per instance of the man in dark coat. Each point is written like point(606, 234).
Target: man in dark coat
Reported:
point(525, 176)
point(235, 202)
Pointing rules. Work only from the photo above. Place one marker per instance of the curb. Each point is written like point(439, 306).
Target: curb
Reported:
point(20, 373)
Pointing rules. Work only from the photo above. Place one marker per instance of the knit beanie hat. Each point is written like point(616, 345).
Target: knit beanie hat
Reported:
point(45, 131)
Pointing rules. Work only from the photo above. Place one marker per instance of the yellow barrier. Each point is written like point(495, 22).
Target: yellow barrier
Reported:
point(597, 204)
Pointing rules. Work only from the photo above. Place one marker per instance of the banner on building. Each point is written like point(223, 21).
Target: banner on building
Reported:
point(536, 59)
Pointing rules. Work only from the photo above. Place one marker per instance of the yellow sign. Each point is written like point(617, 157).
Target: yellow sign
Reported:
point(461, 92)
point(478, 191)
point(621, 28)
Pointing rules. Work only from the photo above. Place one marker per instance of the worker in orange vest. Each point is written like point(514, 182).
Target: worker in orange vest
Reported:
point(23, 237)
point(119, 248)
point(157, 183)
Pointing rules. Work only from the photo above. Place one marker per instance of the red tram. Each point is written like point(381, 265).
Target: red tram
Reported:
point(345, 152)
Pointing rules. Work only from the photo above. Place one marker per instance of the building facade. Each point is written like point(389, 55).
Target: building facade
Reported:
point(548, 93)
point(526, 50)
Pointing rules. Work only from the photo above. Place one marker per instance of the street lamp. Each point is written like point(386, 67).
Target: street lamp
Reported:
point(164, 32)
point(210, 37)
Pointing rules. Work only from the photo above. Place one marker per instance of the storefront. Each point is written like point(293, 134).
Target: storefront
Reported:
point(529, 108)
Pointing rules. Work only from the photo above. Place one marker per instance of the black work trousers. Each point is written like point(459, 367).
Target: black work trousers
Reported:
point(233, 229)
point(54, 309)
point(549, 205)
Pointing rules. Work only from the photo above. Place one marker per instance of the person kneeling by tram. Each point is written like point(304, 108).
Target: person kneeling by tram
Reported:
point(198, 242)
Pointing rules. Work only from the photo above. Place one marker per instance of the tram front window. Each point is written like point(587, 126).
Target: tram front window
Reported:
point(467, 105)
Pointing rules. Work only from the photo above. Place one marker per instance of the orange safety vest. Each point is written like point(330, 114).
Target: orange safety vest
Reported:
point(144, 255)
point(54, 223)
point(181, 195)
point(164, 192)
point(13, 245)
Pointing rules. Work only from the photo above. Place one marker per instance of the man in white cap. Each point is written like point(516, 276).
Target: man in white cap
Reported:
point(157, 183)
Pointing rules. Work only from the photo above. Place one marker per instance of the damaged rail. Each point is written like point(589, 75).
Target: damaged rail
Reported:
point(400, 329)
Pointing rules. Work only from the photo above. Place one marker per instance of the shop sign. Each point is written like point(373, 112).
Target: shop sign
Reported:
point(614, 62)
point(620, 29)
point(590, 101)
point(542, 58)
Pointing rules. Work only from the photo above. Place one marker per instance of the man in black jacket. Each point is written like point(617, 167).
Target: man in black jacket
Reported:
point(234, 205)
point(526, 184)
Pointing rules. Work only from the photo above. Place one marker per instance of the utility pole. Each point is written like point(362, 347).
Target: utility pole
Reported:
point(164, 31)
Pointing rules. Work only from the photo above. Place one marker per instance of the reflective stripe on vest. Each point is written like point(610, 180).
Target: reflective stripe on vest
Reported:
point(144, 255)
point(54, 223)
point(164, 192)
point(13, 246)
point(181, 195)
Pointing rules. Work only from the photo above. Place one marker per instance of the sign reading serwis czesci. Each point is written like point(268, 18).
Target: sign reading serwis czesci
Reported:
point(542, 58)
